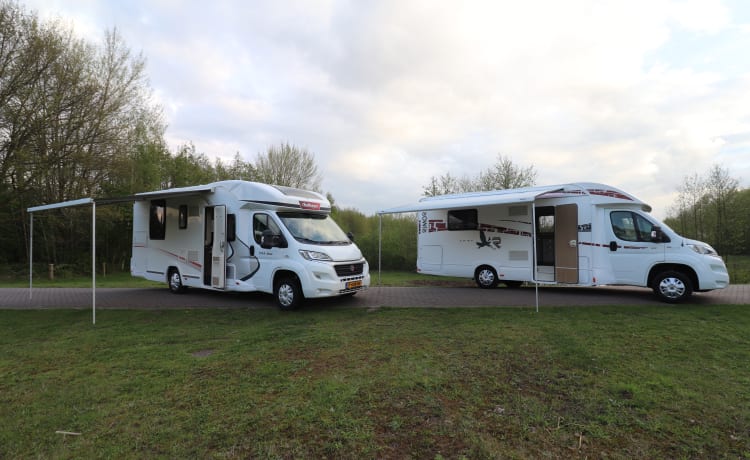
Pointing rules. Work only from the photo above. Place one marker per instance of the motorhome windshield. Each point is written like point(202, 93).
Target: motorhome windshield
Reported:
point(313, 228)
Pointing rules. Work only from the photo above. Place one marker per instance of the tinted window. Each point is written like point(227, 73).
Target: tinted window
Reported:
point(157, 224)
point(183, 217)
point(462, 219)
point(231, 227)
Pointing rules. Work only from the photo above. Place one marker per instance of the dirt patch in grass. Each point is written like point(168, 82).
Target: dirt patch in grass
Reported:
point(202, 353)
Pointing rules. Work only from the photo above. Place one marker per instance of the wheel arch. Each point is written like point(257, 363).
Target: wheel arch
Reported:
point(285, 273)
point(665, 267)
point(170, 269)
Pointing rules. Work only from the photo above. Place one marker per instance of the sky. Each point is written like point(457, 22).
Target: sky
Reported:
point(389, 93)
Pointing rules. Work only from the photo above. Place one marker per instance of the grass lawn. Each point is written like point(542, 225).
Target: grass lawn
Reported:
point(112, 280)
point(739, 269)
point(609, 382)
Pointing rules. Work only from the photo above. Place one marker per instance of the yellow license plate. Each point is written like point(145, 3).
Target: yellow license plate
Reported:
point(354, 284)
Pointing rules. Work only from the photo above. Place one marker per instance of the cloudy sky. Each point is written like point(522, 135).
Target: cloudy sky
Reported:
point(387, 93)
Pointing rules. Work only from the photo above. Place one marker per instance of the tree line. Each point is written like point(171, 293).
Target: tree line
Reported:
point(77, 119)
point(713, 208)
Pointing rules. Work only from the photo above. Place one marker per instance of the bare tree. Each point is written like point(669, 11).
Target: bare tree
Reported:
point(505, 174)
point(288, 165)
point(502, 175)
point(721, 190)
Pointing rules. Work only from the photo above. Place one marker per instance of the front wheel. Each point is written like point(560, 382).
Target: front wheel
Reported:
point(672, 287)
point(486, 277)
point(288, 293)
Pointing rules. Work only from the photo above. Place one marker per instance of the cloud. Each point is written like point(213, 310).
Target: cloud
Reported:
point(386, 94)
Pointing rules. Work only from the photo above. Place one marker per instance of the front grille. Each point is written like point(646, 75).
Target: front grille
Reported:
point(349, 269)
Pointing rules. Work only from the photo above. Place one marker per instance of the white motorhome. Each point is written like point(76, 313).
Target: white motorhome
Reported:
point(245, 236)
point(583, 234)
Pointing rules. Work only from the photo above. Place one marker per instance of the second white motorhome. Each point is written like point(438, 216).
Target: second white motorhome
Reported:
point(584, 234)
point(245, 236)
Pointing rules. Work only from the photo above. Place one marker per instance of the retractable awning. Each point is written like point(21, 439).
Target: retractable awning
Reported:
point(174, 192)
point(470, 200)
point(467, 200)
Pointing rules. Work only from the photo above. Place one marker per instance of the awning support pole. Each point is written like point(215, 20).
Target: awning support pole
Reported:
point(380, 243)
point(93, 261)
point(31, 253)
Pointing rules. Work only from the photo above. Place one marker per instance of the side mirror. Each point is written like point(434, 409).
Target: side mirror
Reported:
point(658, 236)
point(269, 240)
point(350, 235)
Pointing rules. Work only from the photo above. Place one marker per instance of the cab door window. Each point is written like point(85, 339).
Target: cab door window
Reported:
point(261, 223)
point(631, 226)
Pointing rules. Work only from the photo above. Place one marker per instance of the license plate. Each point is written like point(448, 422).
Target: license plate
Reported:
point(354, 284)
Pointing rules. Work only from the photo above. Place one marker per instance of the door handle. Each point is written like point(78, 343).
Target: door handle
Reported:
point(613, 246)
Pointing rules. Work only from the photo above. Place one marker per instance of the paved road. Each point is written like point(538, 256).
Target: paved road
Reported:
point(161, 298)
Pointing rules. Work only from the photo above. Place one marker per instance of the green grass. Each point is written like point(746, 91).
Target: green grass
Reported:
point(401, 278)
point(112, 280)
point(739, 269)
point(609, 382)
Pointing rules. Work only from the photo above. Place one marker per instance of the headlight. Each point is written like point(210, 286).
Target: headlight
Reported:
point(315, 255)
point(704, 250)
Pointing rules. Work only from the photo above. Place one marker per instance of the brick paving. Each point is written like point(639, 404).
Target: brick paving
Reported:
point(436, 297)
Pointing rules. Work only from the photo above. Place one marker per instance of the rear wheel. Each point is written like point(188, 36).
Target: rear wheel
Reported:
point(486, 277)
point(174, 281)
point(288, 293)
point(672, 287)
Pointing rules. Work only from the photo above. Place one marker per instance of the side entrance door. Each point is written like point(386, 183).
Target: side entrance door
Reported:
point(566, 244)
point(218, 249)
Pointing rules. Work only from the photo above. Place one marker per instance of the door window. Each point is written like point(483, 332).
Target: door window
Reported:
point(545, 235)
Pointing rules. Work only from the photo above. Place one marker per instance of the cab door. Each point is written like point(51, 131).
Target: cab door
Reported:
point(269, 258)
point(218, 249)
point(632, 252)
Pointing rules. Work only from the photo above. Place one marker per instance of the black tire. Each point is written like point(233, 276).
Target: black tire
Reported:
point(513, 284)
point(672, 286)
point(288, 293)
point(174, 281)
point(486, 277)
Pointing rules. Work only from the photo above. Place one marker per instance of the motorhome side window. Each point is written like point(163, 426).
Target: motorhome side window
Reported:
point(157, 224)
point(463, 219)
point(262, 222)
point(183, 217)
point(630, 226)
point(231, 227)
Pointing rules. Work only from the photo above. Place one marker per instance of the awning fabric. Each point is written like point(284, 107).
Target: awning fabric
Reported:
point(469, 200)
